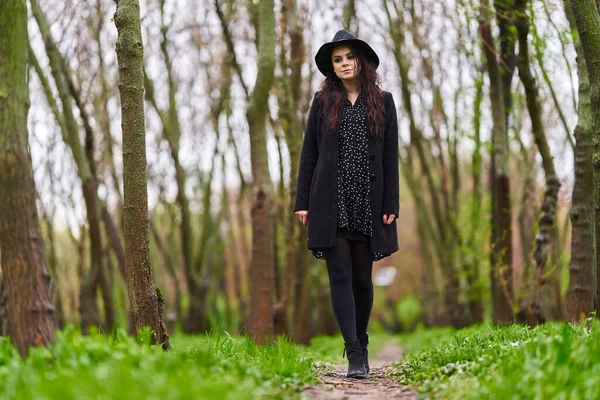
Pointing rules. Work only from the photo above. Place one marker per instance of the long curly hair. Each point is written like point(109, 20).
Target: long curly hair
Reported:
point(332, 93)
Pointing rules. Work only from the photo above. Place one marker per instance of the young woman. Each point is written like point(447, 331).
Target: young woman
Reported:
point(347, 191)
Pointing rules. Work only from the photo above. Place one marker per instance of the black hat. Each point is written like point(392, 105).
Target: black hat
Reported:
point(323, 57)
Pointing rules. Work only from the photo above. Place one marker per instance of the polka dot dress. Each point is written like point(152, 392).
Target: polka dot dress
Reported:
point(353, 184)
point(353, 202)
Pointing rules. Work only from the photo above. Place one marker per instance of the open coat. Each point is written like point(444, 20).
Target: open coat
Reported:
point(317, 186)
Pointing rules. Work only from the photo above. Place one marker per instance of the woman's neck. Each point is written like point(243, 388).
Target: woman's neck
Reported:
point(351, 87)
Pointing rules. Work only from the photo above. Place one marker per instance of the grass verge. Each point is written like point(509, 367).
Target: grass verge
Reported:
point(215, 366)
point(552, 361)
point(200, 367)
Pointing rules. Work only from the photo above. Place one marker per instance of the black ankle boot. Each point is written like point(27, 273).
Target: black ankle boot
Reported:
point(364, 342)
point(356, 364)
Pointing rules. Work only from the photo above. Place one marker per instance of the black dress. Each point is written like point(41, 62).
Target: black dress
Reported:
point(354, 217)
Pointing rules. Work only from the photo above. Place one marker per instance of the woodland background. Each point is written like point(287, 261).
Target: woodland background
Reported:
point(497, 183)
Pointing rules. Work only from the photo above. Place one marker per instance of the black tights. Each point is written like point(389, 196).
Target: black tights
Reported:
point(349, 266)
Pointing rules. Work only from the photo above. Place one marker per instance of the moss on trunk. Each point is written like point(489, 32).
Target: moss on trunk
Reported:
point(24, 270)
point(140, 282)
point(261, 266)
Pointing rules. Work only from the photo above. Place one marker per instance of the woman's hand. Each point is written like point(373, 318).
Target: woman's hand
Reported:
point(302, 216)
point(388, 218)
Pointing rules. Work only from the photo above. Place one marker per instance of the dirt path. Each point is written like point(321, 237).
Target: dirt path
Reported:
point(335, 386)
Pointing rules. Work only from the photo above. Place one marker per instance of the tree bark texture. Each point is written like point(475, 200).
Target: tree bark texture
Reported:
point(28, 281)
point(587, 19)
point(143, 296)
point(261, 266)
point(501, 257)
point(581, 294)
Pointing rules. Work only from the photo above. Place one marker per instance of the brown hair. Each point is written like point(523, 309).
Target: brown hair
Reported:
point(332, 94)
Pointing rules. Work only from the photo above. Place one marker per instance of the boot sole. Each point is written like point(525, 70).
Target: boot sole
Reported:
point(356, 376)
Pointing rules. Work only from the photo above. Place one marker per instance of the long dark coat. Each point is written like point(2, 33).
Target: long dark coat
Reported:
point(317, 185)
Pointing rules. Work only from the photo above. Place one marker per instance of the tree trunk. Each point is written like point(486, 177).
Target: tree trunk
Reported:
point(547, 219)
point(508, 40)
point(199, 284)
point(580, 297)
point(4, 325)
point(501, 257)
point(102, 116)
point(261, 266)
point(587, 19)
point(289, 105)
point(350, 22)
point(90, 314)
point(302, 307)
point(52, 265)
point(475, 293)
point(144, 299)
point(28, 282)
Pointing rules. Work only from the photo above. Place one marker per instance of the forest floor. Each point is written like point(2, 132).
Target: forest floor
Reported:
point(550, 361)
point(333, 384)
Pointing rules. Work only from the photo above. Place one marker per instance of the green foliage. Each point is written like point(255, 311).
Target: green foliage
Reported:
point(425, 338)
point(200, 367)
point(408, 310)
point(516, 362)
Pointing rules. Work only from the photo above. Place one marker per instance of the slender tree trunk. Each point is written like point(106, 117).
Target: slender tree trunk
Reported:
point(445, 232)
point(100, 278)
point(526, 217)
point(102, 116)
point(197, 319)
point(289, 101)
point(90, 314)
point(52, 265)
point(538, 43)
point(547, 219)
point(501, 259)
point(261, 266)
point(146, 301)
point(350, 22)
point(302, 307)
point(475, 294)
point(28, 282)
point(581, 295)
point(508, 39)
point(172, 133)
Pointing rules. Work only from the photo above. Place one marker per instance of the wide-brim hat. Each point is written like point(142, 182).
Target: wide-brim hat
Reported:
point(343, 37)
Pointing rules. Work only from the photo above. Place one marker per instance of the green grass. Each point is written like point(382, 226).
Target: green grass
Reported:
point(215, 366)
point(553, 361)
point(199, 367)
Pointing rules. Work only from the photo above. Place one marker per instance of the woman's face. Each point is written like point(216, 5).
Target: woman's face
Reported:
point(345, 63)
